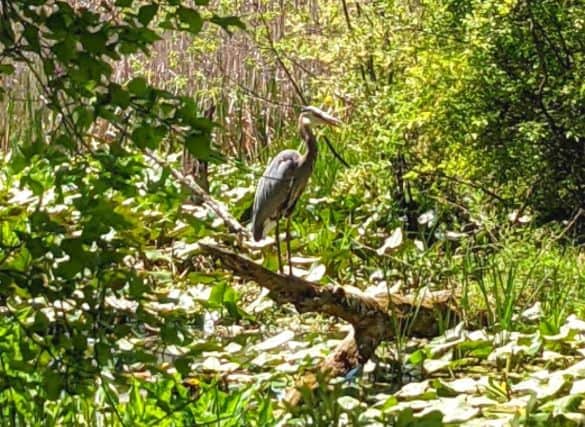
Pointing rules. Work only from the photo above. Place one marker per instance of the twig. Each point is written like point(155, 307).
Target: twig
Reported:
point(220, 210)
point(464, 182)
point(335, 153)
point(346, 14)
point(570, 225)
point(281, 63)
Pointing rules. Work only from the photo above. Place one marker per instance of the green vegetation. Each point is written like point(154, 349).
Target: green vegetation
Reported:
point(464, 131)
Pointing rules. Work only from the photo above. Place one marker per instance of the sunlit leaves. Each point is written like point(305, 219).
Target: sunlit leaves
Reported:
point(190, 18)
point(146, 13)
point(6, 69)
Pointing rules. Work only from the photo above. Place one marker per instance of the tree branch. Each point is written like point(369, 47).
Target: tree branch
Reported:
point(218, 208)
point(373, 319)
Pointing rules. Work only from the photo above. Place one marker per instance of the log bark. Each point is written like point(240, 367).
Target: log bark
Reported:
point(373, 319)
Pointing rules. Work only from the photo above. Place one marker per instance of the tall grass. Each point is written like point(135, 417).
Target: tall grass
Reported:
point(255, 99)
point(519, 272)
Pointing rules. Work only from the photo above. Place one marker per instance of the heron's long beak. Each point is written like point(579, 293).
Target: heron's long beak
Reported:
point(330, 120)
point(333, 121)
point(322, 116)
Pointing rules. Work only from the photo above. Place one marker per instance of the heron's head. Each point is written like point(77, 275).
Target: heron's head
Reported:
point(313, 115)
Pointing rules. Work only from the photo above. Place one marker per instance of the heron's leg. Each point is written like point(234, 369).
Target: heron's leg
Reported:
point(290, 273)
point(277, 236)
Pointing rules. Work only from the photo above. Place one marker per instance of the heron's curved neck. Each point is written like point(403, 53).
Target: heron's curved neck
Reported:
point(309, 138)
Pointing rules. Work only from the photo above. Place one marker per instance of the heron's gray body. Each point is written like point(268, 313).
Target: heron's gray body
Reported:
point(280, 187)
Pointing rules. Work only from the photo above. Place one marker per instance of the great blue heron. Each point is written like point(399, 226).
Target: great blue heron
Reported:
point(285, 179)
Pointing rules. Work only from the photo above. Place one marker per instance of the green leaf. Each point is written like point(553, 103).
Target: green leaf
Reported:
point(199, 145)
point(72, 247)
point(191, 18)
point(143, 357)
point(69, 269)
point(124, 3)
point(170, 334)
point(36, 247)
point(226, 22)
point(139, 87)
point(65, 141)
point(6, 69)
point(35, 186)
point(53, 383)
point(182, 366)
point(136, 401)
point(119, 96)
point(443, 390)
point(389, 403)
point(147, 13)
point(235, 311)
point(41, 323)
point(83, 117)
point(94, 42)
point(103, 352)
point(418, 357)
point(66, 50)
point(147, 136)
point(216, 294)
point(147, 36)
point(31, 34)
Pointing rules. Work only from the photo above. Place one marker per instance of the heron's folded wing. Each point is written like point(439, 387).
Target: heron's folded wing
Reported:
point(274, 188)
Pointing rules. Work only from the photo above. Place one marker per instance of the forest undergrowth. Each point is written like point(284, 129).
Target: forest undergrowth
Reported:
point(463, 134)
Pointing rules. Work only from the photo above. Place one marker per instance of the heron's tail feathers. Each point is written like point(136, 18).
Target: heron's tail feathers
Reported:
point(261, 229)
point(258, 233)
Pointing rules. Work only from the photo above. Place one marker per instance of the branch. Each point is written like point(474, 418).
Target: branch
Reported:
point(292, 81)
point(359, 310)
point(464, 182)
point(346, 15)
point(218, 208)
point(373, 319)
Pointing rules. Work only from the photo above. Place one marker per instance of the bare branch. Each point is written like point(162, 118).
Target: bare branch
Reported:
point(218, 208)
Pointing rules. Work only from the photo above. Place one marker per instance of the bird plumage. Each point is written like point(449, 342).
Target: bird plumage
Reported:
point(285, 179)
point(280, 187)
point(273, 195)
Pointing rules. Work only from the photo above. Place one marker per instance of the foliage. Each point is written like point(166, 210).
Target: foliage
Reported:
point(465, 134)
point(485, 91)
point(81, 217)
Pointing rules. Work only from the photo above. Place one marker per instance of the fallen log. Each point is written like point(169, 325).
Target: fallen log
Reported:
point(373, 319)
